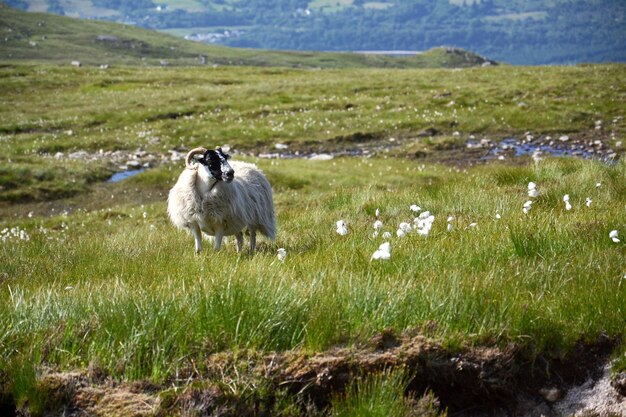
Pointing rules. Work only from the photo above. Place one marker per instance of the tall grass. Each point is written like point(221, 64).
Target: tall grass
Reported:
point(123, 290)
point(378, 395)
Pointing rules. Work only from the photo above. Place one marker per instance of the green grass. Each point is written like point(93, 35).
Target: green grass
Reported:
point(111, 285)
point(377, 396)
point(125, 288)
point(47, 109)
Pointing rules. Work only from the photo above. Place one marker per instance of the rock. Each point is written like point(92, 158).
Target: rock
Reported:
point(321, 157)
point(59, 155)
point(564, 138)
point(133, 164)
point(107, 38)
point(551, 394)
point(281, 146)
point(175, 156)
point(78, 155)
point(431, 131)
point(619, 383)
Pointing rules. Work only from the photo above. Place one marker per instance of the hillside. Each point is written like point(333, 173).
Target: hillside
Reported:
point(485, 305)
point(36, 37)
point(518, 32)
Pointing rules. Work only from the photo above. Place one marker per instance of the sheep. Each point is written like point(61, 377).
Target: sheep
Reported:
point(208, 197)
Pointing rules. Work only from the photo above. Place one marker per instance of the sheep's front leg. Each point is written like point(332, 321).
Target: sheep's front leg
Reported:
point(219, 235)
point(252, 241)
point(239, 243)
point(197, 235)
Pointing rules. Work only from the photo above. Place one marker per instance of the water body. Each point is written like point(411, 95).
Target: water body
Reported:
point(120, 176)
point(521, 148)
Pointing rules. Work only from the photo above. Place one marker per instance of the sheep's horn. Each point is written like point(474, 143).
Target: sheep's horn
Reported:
point(191, 154)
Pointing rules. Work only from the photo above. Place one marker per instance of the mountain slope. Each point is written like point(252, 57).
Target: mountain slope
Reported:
point(516, 31)
point(51, 38)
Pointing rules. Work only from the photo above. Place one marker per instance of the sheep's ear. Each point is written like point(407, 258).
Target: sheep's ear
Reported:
point(224, 154)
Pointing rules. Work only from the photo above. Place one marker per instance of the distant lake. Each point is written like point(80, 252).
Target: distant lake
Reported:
point(390, 53)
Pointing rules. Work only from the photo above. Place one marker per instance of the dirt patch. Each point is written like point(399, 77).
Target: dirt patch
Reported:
point(472, 381)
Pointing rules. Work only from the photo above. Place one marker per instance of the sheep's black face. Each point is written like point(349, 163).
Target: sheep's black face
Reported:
point(217, 163)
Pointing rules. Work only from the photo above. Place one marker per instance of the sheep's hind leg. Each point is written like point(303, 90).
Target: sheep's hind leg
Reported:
point(197, 235)
point(239, 243)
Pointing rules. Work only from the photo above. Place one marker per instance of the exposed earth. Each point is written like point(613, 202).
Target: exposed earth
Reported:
point(472, 382)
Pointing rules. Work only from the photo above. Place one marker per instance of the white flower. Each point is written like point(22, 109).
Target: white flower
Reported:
point(383, 252)
point(598, 184)
point(377, 212)
point(415, 208)
point(527, 206)
point(450, 227)
point(613, 236)
point(471, 225)
point(566, 197)
point(342, 228)
point(424, 224)
point(387, 235)
point(424, 215)
point(405, 227)
point(532, 190)
point(588, 202)
point(498, 215)
point(400, 233)
point(375, 234)
point(282, 254)
point(378, 224)
point(450, 219)
point(568, 206)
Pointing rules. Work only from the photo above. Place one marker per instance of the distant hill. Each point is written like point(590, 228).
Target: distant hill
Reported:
point(513, 31)
point(36, 37)
point(526, 32)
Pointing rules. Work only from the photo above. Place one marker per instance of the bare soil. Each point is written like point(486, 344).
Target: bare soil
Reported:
point(473, 381)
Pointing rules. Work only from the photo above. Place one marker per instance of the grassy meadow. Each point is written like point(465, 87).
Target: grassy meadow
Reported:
point(111, 286)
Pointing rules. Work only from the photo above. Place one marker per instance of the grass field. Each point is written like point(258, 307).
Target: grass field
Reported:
point(112, 291)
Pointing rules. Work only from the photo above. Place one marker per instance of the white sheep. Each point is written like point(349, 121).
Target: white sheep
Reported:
point(220, 199)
